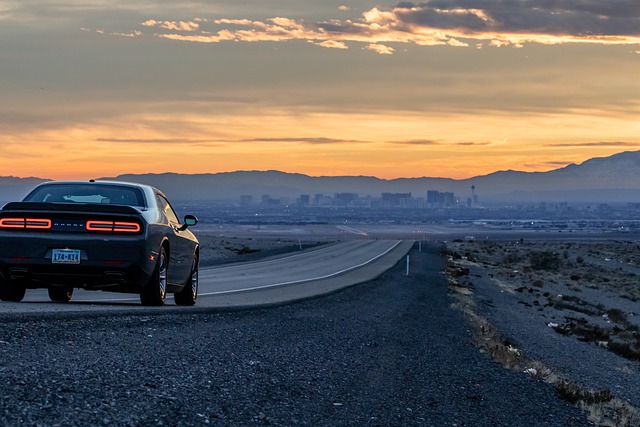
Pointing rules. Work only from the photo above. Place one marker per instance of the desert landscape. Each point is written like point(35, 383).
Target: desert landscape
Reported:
point(562, 312)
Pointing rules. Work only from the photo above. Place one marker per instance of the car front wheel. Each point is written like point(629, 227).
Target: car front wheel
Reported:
point(155, 291)
point(189, 294)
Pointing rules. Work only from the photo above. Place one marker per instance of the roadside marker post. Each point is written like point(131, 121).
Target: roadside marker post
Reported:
point(407, 265)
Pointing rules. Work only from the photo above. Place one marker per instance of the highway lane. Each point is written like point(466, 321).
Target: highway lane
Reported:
point(267, 282)
point(304, 267)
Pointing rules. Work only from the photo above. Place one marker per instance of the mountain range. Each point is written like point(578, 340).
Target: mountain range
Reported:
point(614, 179)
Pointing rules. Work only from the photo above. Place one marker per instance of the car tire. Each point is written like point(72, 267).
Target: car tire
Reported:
point(155, 291)
point(189, 294)
point(58, 294)
point(12, 290)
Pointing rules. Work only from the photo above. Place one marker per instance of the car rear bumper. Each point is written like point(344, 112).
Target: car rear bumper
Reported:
point(125, 262)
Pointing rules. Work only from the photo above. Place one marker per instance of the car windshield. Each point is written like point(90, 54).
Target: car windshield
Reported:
point(87, 193)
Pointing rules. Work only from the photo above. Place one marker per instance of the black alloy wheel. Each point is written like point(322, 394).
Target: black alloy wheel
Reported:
point(155, 291)
point(189, 294)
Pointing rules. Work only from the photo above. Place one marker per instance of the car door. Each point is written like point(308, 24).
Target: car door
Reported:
point(181, 246)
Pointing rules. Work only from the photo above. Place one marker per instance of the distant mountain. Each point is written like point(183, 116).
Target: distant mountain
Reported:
point(13, 188)
point(607, 179)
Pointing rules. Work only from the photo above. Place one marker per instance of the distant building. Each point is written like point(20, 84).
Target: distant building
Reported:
point(266, 200)
point(246, 200)
point(393, 200)
point(437, 199)
point(343, 199)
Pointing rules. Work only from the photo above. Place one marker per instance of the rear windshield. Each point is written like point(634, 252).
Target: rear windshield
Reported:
point(87, 193)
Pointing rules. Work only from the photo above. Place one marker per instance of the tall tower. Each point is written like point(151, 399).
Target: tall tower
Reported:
point(473, 196)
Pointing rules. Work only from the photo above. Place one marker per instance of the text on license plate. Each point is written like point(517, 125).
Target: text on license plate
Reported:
point(65, 256)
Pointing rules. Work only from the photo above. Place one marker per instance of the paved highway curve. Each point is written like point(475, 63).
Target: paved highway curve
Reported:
point(283, 279)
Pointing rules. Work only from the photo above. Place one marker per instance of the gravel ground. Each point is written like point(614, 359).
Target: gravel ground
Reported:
point(591, 285)
point(569, 309)
point(391, 352)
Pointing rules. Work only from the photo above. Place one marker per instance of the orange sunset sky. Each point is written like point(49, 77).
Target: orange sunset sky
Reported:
point(448, 88)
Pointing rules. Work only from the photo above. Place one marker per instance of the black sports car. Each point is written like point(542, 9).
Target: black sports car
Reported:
point(97, 235)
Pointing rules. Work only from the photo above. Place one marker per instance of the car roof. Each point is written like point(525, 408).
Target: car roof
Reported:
point(100, 182)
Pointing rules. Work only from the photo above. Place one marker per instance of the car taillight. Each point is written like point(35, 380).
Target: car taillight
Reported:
point(26, 223)
point(113, 226)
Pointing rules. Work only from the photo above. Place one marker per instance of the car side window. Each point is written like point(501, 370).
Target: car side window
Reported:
point(164, 205)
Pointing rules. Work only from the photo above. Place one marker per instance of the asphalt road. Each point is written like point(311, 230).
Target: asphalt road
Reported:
point(290, 278)
point(388, 352)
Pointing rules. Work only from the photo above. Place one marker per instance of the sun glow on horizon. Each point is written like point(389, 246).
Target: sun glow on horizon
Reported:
point(385, 144)
point(411, 90)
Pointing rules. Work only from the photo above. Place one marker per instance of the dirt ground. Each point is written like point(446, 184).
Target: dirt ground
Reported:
point(569, 309)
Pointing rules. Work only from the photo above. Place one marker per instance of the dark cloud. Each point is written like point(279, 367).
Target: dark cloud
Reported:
point(339, 27)
point(473, 143)
point(552, 17)
point(442, 19)
point(546, 165)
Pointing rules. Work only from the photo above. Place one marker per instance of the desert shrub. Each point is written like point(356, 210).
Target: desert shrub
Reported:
point(512, 258)
point(573, 393)
point(617, 315)
point(545, 260)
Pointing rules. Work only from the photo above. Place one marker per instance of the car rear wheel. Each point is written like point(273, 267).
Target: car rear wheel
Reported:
point(12, 290)
point(57, 294)
point(155, 291)
point(189, 294)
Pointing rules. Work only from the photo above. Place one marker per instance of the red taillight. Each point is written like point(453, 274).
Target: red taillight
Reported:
point(126, 227)
point(99, 225)
point(12, 223)
point(113, 226)
point(44, 224)
point(26, 223)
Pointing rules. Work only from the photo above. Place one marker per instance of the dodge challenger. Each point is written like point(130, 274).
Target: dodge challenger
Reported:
point(97, 235)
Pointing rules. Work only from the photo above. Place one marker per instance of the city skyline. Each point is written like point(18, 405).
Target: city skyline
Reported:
point(450, 89)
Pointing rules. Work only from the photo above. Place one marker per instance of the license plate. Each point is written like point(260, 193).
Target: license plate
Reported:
point(65, 256)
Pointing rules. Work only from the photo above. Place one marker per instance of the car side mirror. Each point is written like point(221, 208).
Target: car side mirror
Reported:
point(189, 221)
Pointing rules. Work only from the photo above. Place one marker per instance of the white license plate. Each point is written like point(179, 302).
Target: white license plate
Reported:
point(65, 256)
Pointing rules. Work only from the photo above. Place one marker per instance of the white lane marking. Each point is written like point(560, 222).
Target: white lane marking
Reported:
point(304, 280)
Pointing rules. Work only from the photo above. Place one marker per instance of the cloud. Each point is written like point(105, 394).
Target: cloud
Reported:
point(545, 165)
point(433, 142)
point(596, 144)
point(332, 44)
point(343, 7)
point(380, 48)
point(416, 142)
point(471, 143)
point(303, 140)
point(172, 25)
point(459, 23)
point(156, 141)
